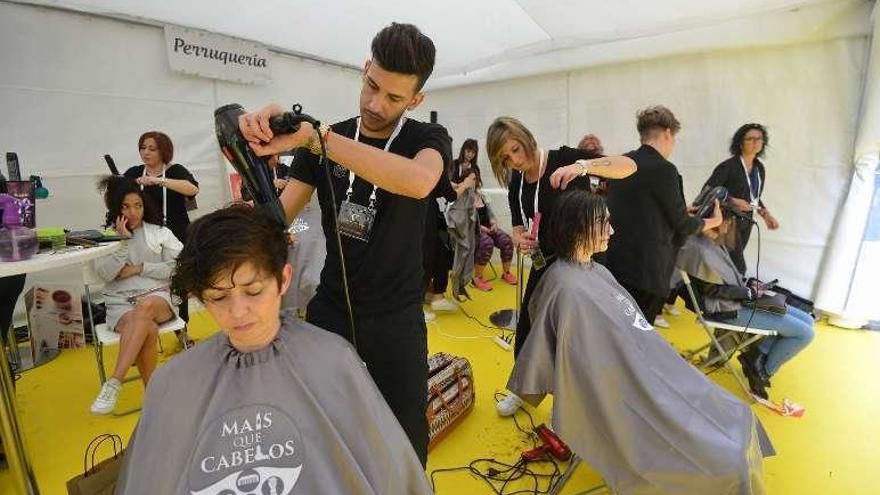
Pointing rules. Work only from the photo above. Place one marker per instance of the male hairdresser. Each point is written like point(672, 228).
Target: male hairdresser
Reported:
point(382, 168)
point(649, 215)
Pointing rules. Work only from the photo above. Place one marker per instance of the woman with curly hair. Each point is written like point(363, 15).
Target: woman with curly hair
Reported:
point(137, 279)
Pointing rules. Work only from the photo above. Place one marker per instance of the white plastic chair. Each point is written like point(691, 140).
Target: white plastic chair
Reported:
point(102, 335)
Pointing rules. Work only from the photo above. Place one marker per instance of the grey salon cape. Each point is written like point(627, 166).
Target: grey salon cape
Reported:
point(306, 256)
point(461, 217)
point(702, 258)
point(301, 416)
point(625, 401)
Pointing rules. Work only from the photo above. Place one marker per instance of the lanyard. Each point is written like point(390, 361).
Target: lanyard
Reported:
point(752, 195)
point(357, 134)
point(522, 179)
point(164, 196)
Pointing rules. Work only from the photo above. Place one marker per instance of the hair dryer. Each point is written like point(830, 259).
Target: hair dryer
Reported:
point(254, 170)
point(705, 203)
point(552, 445)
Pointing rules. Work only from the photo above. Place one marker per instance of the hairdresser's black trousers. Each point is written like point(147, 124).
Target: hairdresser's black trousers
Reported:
point(395, 348)
point(737, 255)
point(524, 322)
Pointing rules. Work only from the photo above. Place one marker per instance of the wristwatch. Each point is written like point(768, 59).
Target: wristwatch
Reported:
point(162, 182)
point(583, 165)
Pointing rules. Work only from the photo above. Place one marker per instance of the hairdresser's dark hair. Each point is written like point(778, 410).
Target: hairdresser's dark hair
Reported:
point(115, 188)
point(163, 144)
point(736, 141)
point(403, 49)
point(577, 219)
point(468, 144)
point(223, 241)
point(653, 120)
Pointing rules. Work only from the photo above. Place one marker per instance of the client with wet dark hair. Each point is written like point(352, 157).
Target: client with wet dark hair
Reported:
point(623, 398)
point(270, 399)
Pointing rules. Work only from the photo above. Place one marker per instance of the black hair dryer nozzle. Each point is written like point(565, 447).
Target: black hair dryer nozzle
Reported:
point(254, 170)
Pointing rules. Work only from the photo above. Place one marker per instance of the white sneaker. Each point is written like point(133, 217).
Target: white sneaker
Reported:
point(106, 401)
point(508, 405)
point(671, 310)
point(429, 316)
point(443, 305)
point(661, 322)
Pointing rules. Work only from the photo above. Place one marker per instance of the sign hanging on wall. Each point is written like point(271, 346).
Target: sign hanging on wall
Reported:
point(215, 56)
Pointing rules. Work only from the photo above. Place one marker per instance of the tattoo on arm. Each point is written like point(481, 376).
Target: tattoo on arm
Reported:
point(602, 162)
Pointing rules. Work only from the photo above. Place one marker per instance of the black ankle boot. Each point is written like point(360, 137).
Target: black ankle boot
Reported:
point(756, 384)
point(759, 362)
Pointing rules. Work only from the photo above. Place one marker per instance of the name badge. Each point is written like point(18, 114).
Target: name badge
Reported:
point(356, 221)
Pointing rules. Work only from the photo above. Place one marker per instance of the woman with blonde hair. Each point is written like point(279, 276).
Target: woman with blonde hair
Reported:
point(535, 177)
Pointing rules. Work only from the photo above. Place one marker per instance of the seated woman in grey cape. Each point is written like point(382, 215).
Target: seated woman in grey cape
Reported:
point(270, 405)
point(717, 281)
point(624, 400)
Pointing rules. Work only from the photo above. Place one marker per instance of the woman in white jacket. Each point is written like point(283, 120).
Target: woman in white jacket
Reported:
point(138, 277)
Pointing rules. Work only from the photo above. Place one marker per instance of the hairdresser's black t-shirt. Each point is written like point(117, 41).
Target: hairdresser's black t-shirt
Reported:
point(386, 273)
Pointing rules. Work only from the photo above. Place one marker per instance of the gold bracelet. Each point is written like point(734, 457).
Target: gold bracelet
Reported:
point(315, 144)
point(583, 165)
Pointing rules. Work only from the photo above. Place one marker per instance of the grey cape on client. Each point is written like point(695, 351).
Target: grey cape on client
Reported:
point(625, 401)
point(300, 416)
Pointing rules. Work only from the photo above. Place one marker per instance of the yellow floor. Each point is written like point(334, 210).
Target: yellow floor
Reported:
point(833, 449)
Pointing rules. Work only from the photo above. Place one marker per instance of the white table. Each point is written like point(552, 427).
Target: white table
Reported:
point(66, 257)
point(24, 482)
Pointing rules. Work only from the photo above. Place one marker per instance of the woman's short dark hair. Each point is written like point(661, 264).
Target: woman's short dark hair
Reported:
point(577, 220)
point(736, 141)
point(115, 188)
point(223, 241)
point(163, 144)
point(402, 48)
point(469, 144)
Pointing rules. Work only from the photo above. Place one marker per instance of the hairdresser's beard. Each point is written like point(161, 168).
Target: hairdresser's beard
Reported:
point(375, 124)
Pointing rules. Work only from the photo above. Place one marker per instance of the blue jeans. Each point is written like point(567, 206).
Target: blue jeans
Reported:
point(795, 330)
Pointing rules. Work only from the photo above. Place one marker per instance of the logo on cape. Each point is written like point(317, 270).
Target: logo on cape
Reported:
point(255, 449)
point(630, 310)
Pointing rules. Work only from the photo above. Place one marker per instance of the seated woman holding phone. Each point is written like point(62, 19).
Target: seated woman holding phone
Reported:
point(717, 281)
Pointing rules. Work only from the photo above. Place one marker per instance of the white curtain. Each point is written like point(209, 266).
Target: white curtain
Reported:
point(807, 94)
point(851, 274)
point(76, 86)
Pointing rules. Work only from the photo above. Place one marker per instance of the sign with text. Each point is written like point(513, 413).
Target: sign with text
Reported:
point(204, 54)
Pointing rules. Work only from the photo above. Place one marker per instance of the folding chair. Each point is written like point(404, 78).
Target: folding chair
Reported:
point(102, 335)
point(728, 331)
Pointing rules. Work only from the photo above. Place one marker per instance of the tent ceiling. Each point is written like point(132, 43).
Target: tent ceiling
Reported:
point(487, 40)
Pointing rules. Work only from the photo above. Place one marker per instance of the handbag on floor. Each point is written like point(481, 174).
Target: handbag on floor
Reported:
point(100, 478)
point(450, 394)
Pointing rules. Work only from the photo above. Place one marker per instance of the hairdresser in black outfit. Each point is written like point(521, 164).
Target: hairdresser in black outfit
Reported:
point(649, 215)
point(384, 165)
point(168, 185)
point(743, 175)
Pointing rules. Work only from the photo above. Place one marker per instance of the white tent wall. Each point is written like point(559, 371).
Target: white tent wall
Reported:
point(848, 286)
point(807, 94)
point(76, 86)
